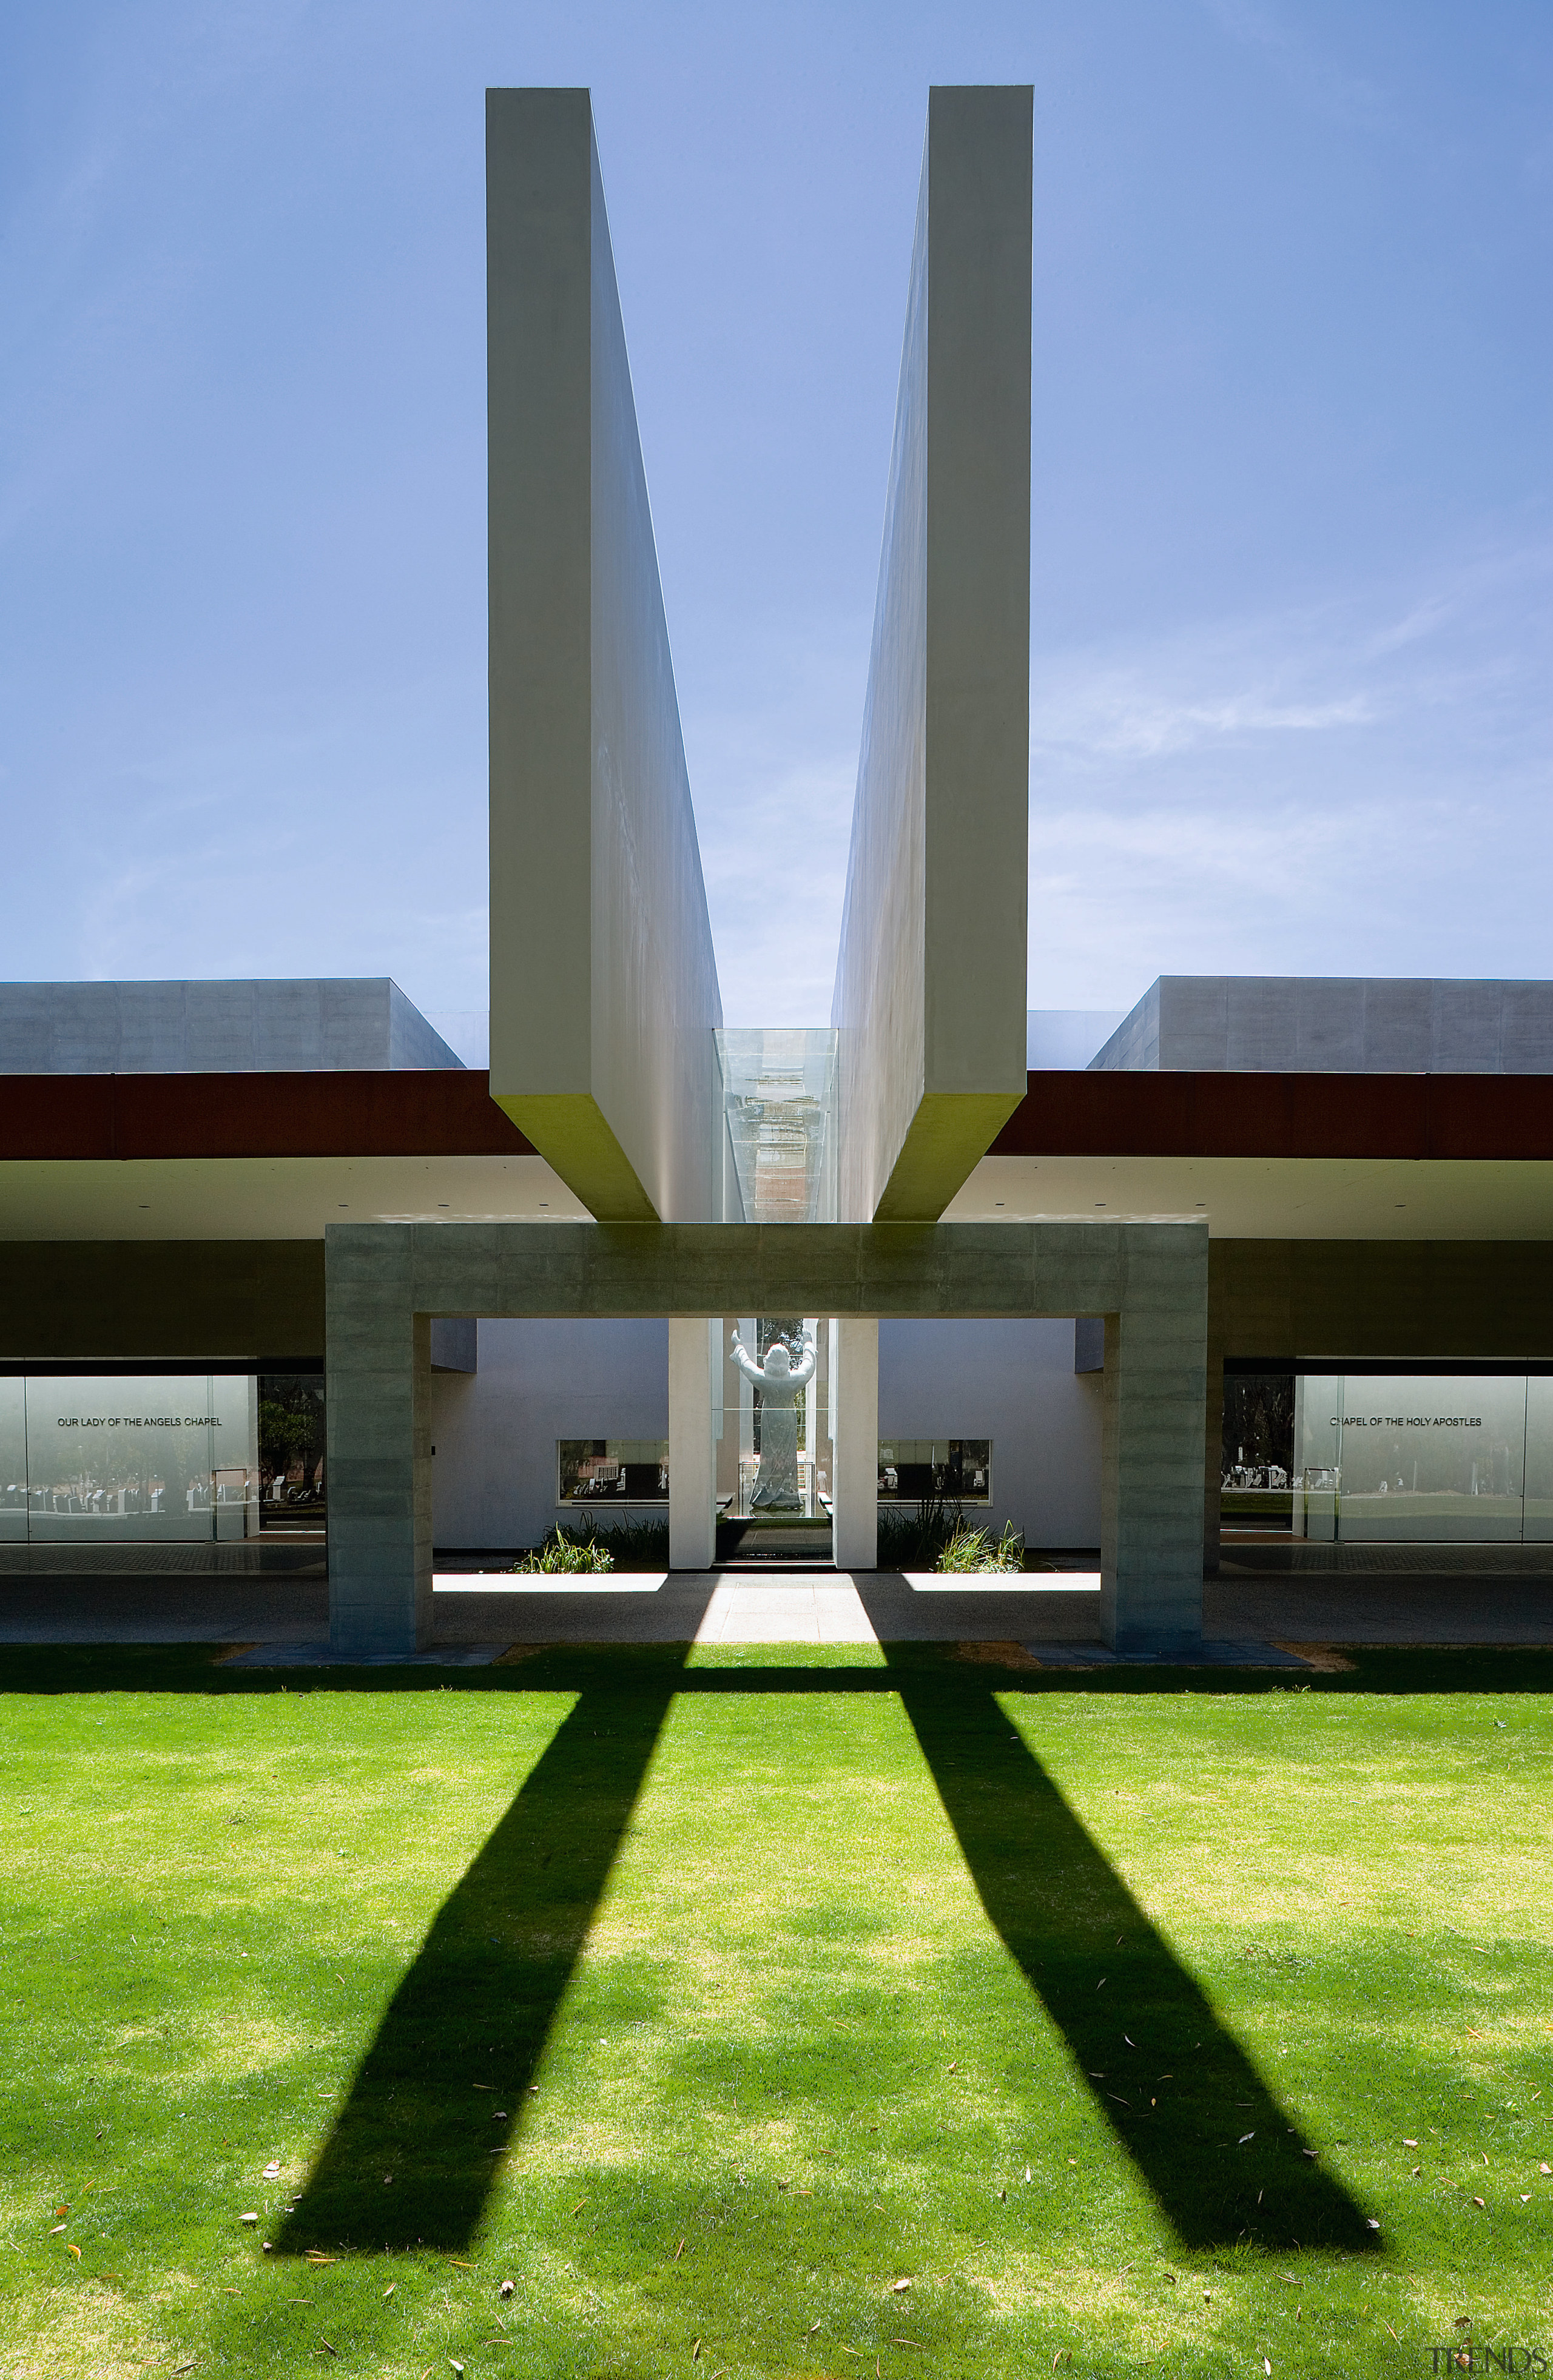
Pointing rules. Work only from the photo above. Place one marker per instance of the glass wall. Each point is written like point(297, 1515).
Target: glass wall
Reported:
point(739, 1422)
point(13, 1461)
point(166, 1457)
point(1463, 1457)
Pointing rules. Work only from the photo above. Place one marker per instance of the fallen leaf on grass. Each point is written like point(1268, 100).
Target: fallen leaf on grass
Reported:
point(271, 2169)
point(54, 2228)
point(1409, 2144)
point(390, 2290)
point(1544, 2168)
point(695, 2353)
point(1477, 2201)
point(895, 2286)
point(247, 2218)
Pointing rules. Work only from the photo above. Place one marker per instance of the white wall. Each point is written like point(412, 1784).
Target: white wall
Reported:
point(495, 1429)
point(1014, 1383)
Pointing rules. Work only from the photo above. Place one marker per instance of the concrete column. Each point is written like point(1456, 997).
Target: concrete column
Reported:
point(377, 1378)
point(693, 1344)
point(854, 1432)
point(1151, 1471)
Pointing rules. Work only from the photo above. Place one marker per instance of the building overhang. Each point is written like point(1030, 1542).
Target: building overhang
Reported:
point(1278, 1156)
point(261, 1155)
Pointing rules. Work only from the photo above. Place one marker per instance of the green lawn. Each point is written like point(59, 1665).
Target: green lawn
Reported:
point(1159, 2022)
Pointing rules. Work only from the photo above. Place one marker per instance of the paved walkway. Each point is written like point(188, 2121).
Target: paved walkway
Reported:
point(1453, 1606)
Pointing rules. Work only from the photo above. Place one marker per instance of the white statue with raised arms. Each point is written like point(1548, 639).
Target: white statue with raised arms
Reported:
point(782, 1383)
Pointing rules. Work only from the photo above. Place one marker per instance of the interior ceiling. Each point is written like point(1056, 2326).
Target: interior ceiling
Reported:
point(269, 1197)
point(1240, 1198)
point(1275, 1198)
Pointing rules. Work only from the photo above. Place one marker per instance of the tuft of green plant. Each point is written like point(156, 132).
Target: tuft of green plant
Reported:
point(976, 1549)
point(912, 1537)
point(636, 1545)
point(565, 1551)
point(624, 1545)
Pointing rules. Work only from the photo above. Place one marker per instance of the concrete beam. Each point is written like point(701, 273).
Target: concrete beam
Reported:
point(1150, 1282)
point(930, 981)
point(604, 988)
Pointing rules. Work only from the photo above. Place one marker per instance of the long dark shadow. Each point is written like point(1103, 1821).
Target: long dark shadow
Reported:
point(416, 2149)
point(1222, 2157)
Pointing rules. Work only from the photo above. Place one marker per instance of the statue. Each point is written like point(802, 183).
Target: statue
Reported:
point(782, 1383)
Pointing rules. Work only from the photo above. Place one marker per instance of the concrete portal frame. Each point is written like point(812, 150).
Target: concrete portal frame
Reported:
point(385, 1282)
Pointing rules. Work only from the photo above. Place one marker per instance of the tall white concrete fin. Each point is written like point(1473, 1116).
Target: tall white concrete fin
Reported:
point(930, 986)
point(604, 988)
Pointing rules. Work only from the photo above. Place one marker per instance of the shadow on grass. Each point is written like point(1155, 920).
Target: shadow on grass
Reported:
point(1209, 2138)
point(1390, 1670)
point(416, 2150)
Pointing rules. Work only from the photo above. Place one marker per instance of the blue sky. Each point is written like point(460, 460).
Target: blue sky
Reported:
point(1293, 478)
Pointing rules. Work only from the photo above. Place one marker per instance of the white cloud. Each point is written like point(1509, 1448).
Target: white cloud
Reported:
point(1355, 787)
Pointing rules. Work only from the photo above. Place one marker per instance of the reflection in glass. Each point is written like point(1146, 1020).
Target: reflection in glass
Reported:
point(913, 1468)
point(1453, 1458)
point(1433, 1458)
point(1258, 1449)
point(166, 1458)
point(291, 1474)
point(612, 1469)
point(1537, 1526)
point(13, 1460)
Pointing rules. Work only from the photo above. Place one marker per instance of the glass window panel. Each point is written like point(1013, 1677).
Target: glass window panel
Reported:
point(1439, 1458)
point(292, 1496)
point(612, 1469)
point(120, 1459)
point(13, 1460)
point(1538, 1527)
point(1317, 1441)
point(1255, 1489)
point(913, 1468)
